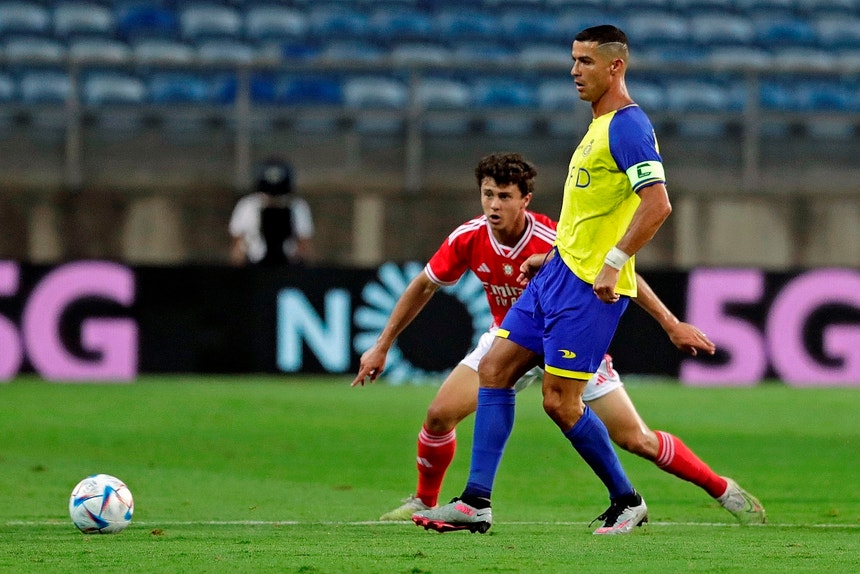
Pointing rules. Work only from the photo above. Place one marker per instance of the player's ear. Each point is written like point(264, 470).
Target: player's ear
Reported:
point(527, 198)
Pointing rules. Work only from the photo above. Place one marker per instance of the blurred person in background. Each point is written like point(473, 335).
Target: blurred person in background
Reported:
point(272, 226)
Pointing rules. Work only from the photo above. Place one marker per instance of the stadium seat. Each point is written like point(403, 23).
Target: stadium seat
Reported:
point(698, 95)
point(693, 7)
point(101, 88)
point(837, 31)
point(549, 56)
point(8, 89)
point(762, 6)
point(458, 24)
point(178, 87)
point(816, 59)
point(82, 18)
point(225, 51)
point(482, 53)
point(650, 96)
point(557, 95)
point(272, 22)
point(24, 18)
point(571, 20)
point(99, 49)
point(817, 8)
point(718, 29)
point(409, 53)
point(674, 53)
point(143, 19)
point(635, 5)
point(652, 27)
point(204, 21)
point(531, 26)
point(443, 98)
point(779, 31)
point(155, 51)
point(351, 51)
point(44, 86)
point(731, 55)
point(376, 93)
point(34, 50)
point(494, 95)
point(308, 90)
point(401, 24)
point(329, 21)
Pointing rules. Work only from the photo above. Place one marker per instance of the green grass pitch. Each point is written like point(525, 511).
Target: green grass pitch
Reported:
point(289, 474)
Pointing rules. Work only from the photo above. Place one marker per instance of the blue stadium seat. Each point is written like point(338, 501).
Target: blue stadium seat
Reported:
point(837, 31)
point(553, 56)
point(178, 87)
point(82, 18)
point(273, 22)
point(570, 21)
point(474, 52)
point(531, 25)
point(204, 21)
point(650, 96)
point(674, 53)
point(380, 94)
point(557, 95)
point(816, 59)
point(44, 86)
point(99, 49)
point(649, 27)
point(778, 31)
point(351, 51)
point(461, 23)
point(731, 55)
point(401, 24)
point(687, 95)
point(499, 94)
point(443, 98)
point(292, 90)
point(764, 6)
point(225, 51)
point(719, 29)
point(410, 53)
point(155, 51)
point(34, 50)
point(101, 88)
point(329, 21)
point(144, 20)
point(24, 18)
point(816, 8)
point(629, 6)
point(8, 89)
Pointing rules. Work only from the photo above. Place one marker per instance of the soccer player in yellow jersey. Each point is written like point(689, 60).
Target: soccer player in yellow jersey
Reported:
point(615, 200)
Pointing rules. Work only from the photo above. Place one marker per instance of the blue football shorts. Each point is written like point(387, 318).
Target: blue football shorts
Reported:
point(559, 317)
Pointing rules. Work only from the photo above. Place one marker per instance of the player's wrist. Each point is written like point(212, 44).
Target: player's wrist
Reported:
point(616, 258)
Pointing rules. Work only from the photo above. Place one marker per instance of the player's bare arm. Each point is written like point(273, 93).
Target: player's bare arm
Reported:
point(530, 266)
point(654, 208)
point(684, 336)
point(419, 291)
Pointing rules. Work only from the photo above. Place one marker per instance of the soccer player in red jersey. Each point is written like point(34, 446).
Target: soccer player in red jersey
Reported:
point(499, 246)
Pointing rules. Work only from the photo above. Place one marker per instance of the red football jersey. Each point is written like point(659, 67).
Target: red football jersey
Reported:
point(473, 246)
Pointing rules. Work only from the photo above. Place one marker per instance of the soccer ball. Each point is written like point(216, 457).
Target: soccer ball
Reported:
point(101, 504)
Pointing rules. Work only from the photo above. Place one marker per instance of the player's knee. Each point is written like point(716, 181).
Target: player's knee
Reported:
point(440, 420)
point(494, 374)
point(560, 409)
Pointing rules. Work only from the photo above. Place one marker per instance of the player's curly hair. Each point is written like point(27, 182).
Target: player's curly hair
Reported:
point(507, 168)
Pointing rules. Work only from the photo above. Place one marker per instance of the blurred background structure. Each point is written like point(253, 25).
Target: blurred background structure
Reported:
point(128, 129)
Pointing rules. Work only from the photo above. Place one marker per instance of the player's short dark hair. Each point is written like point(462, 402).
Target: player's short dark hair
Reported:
point(602, 34)
point(275, 177)
point(506, 169)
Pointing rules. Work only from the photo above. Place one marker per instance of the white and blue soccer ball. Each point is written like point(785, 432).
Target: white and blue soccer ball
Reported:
point(101, 504)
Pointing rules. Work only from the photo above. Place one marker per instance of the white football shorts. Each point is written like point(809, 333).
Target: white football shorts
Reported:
point(604, 381)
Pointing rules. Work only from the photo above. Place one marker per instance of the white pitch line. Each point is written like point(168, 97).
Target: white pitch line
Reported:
point(149, 523)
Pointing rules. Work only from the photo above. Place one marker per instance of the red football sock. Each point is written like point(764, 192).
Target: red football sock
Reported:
point(675, 458)
point(435, 454)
